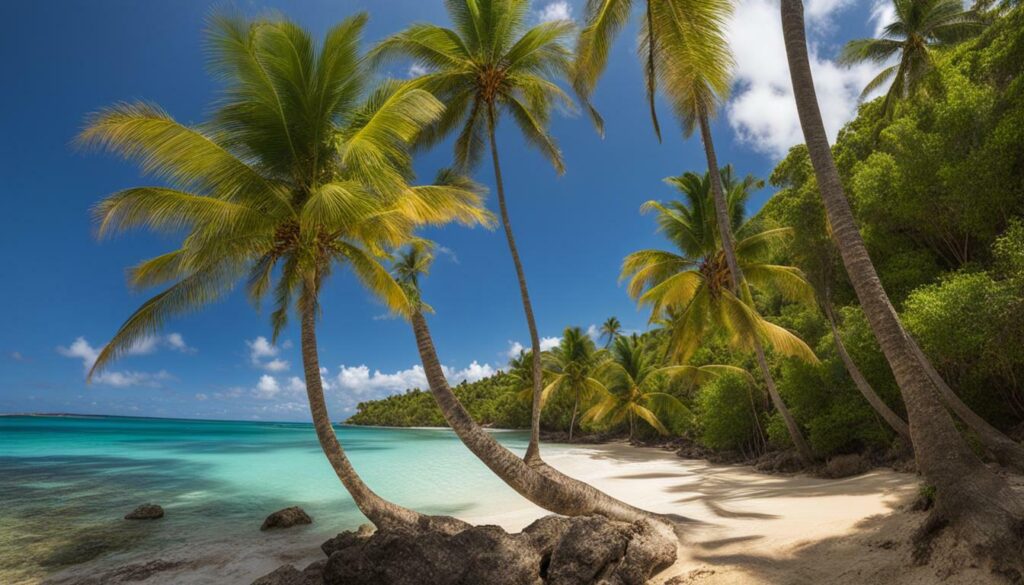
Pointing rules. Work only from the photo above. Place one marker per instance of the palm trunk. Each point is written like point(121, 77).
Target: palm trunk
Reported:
point(876, 402)
point(975, 500)
point(736, 280)
point(382, 513)
point(538, 482)
point(1005, 450)
point(575, 409)
point(533, 449)
point(802, 448)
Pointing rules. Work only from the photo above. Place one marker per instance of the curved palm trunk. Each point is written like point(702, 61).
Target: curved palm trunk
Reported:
point(979, 503)
point(380, 512)
point(533, 449)
point(736, 280)
point(876, 402)
point(802, 448)
point(1005, 450)
point(538, 482)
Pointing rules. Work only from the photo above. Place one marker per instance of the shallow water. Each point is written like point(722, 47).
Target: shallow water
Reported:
point(66, 483)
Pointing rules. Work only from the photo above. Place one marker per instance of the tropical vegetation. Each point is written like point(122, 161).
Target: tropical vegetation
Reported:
point(878, 293)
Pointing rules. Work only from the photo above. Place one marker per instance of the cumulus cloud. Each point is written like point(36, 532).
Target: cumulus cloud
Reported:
point(360, 380)
point(266, 388)
point(263, 354)
point(81, 349)
point(558, 10)
point(514, 349)
point(547, 343)
point(762, 112)
point(415, 70)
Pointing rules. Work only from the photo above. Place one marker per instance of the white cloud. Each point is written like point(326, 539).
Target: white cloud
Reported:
point(447, 252)
point(295, 384)
point(416, 70)
point(594, 332)
point(81, 349)
point(360, 380)
point(558, 10)
point(266, 388)
point(201, 397)
point(547, 343)
point(176, 342)
point(16, 356)
point(263, 354)
point(762, 112)
point(514, 349)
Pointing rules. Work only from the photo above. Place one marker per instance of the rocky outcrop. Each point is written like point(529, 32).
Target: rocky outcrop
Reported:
point(145, 512)
point(554, 550)
point(286, 518)
point(289, 575)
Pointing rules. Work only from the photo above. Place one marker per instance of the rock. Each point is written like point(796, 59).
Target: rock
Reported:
point(845, 466)
point(482, 554)
point(289, 575)
point(595, 550)
point(286, 518)
point(348, 539)
point(781, 462)
point(555, 550)
point(145, 512)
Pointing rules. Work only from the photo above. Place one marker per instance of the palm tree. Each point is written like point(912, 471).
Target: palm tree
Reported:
point(543, 485)
point(611, 329)
point(300, 171)
point(631, 389)
point(921, 27)
point(695, 283)
point(685, 51)
point(570, 368)
point(489, 64)
point(973, 499)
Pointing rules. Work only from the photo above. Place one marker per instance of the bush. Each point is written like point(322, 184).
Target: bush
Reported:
point(724, 413)
point(972, 328)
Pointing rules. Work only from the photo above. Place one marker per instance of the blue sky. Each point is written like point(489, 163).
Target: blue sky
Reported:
point(64, 292)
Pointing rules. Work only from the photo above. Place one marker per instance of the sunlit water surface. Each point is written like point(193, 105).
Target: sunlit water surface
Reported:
point(66, 483)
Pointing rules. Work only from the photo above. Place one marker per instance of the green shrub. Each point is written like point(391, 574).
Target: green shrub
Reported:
point(724, 413)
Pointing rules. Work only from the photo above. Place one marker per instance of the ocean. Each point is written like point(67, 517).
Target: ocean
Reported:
point(66, 482)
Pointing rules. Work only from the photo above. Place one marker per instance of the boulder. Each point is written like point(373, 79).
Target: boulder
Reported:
point(289, 575)
point(286, 518)
point(595, 550)
point(554, 550)
point(845, 466)
point(348, 539)
point(145, 512)
point(482, 554)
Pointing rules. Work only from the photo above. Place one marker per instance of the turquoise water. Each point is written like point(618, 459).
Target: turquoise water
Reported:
point(66, 483)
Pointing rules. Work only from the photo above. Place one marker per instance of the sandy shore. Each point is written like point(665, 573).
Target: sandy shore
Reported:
point(748, 528)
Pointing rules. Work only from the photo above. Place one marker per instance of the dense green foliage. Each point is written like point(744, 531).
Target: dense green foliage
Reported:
point(937, 185)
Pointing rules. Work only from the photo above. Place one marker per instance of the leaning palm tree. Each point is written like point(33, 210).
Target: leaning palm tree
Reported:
point(632, 389)
point(543, 485)
point(570, 367)
point(971, 498)
point(695, 284)
point(684, 46)
point(488, 65)
point(301, 171)
point(610, 330)
point(921, 27)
